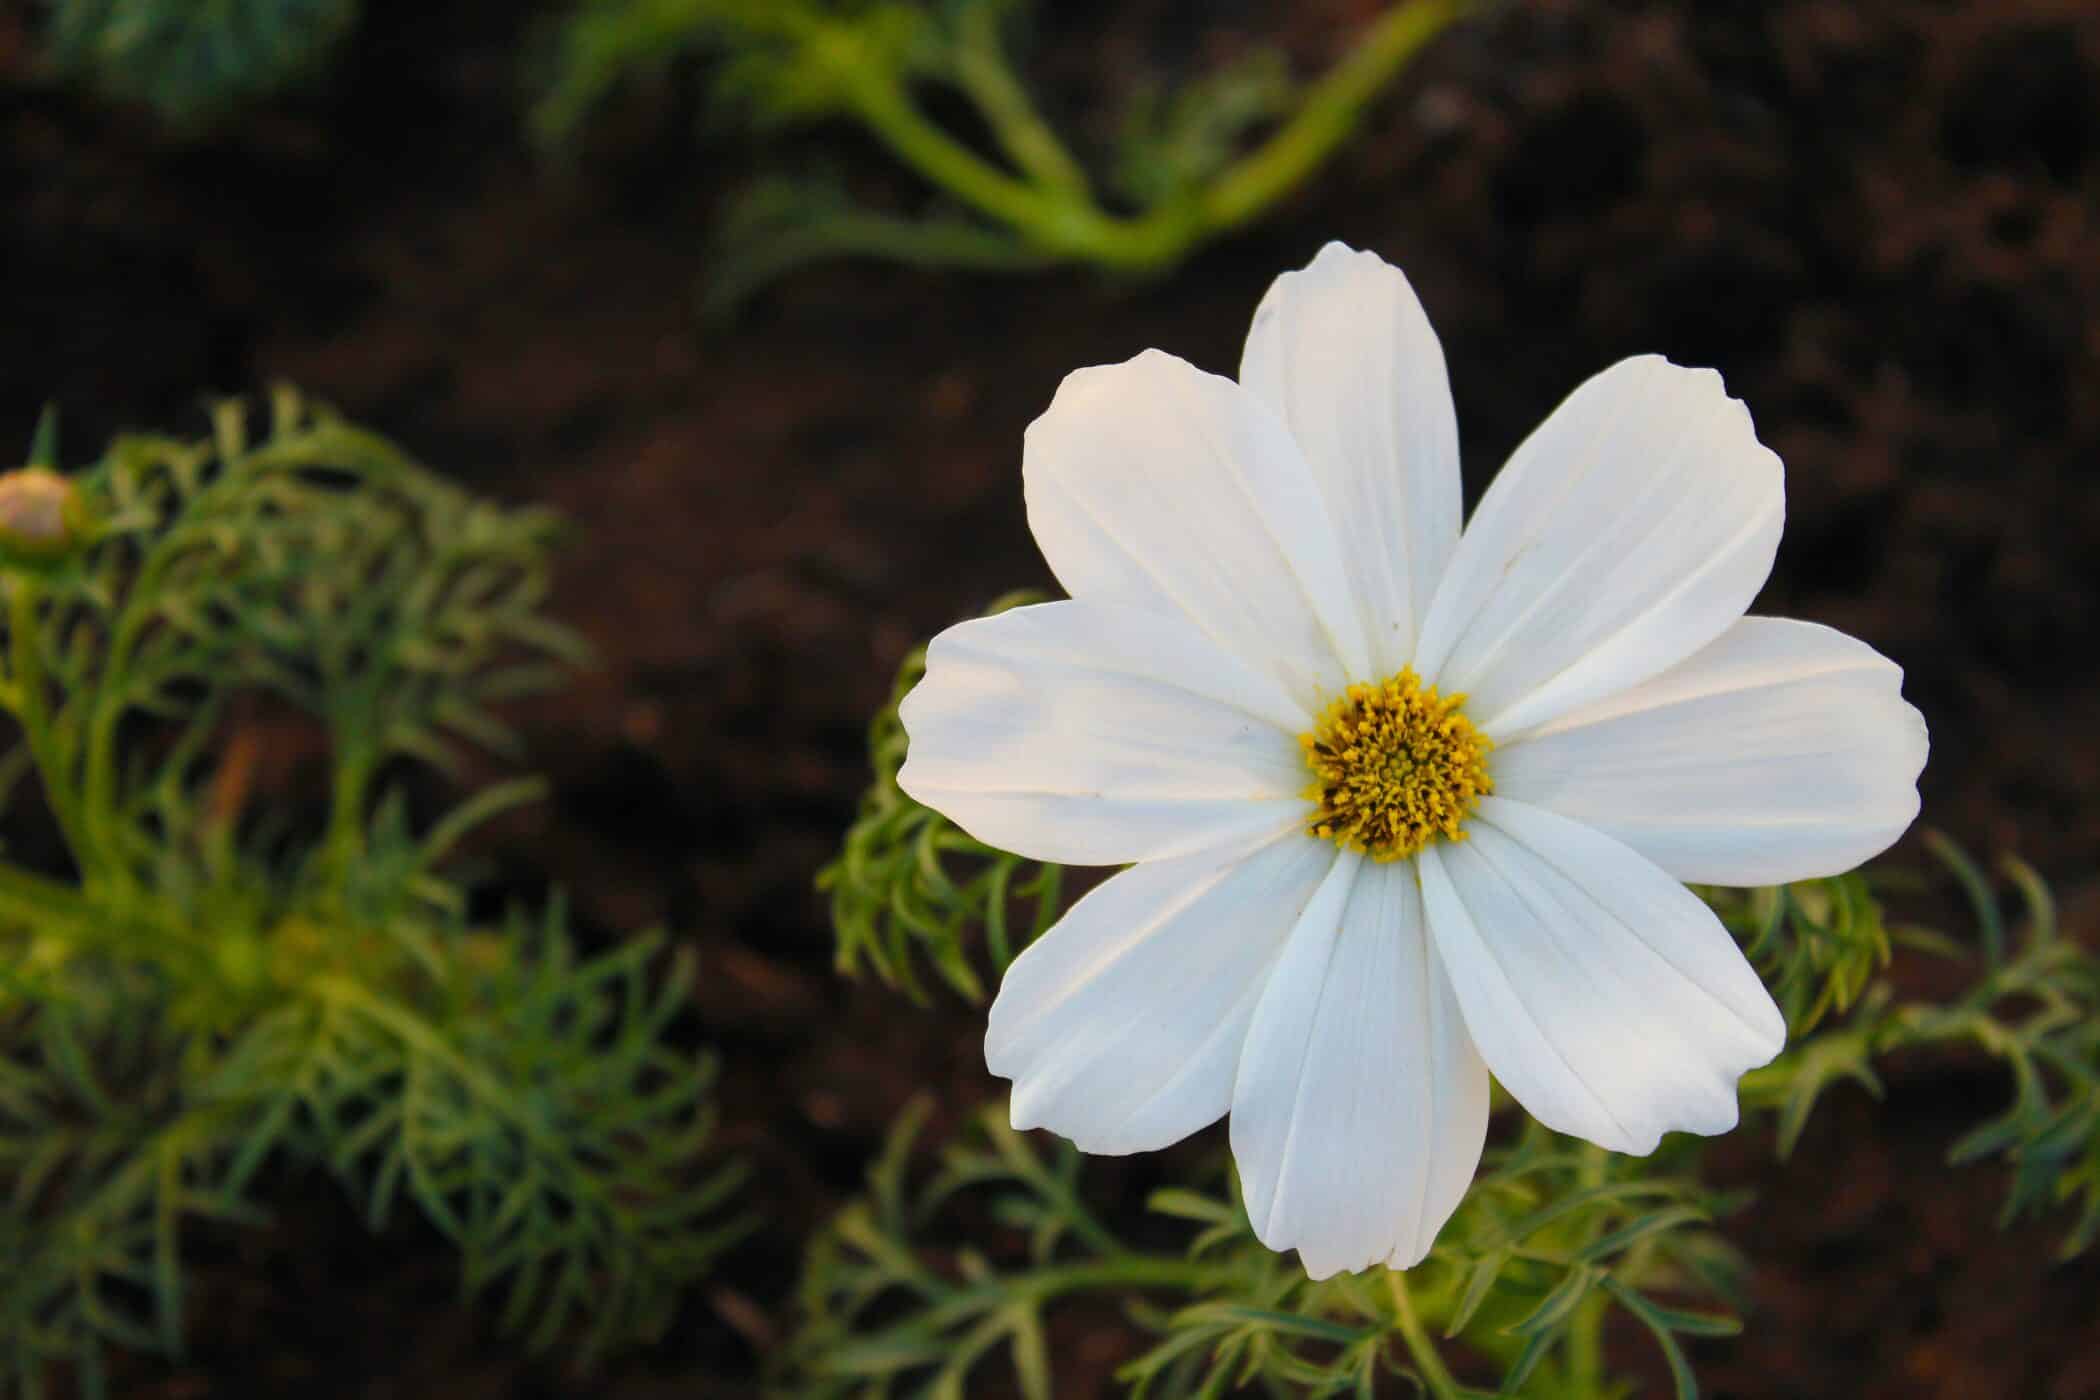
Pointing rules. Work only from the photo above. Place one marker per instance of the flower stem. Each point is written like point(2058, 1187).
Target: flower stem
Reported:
point(1428, 1360)
point(1328, 114)
point(1050, 219)
point(984, 73)
point(1048, 205)
point(344, 842)
point(1586, 1328)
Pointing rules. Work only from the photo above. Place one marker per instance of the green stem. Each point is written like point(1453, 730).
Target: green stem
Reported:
point(1586, 1328)
point(1051, 210)
point(985, 75)
point(344, 842)
point(1420, 1346)
point(106, 704)
point(1327, 116)
point(1055, 221)
point(31, 686)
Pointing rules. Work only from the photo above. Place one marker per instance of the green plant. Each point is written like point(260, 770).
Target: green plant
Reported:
point(208, 989)
point(1185, 171)
point(193, 63)
point(909, 884)
point(1553, 1238)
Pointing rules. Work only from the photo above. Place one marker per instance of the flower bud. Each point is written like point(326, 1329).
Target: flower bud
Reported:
point(42, 516)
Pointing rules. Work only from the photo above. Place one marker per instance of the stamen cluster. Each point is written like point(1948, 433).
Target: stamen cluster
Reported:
point(1395, 766)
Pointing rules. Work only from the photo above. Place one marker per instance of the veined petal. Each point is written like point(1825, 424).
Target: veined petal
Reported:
point(1121, 1026)
point(1151, 484)
point(1628, 531)
point(1604, 995)
point(1781, 752)
point(1343, 351)
point(1095, 735)
point(1361, 1105)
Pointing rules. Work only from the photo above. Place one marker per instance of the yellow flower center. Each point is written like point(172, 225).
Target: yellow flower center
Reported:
point(1395, 767)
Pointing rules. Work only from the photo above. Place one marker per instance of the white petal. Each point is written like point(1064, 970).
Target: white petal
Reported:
point(1605, 996)
point(1361, 1105)
point(1628, 531)
point(1780, 752)
point(1155, 485)
point(1121, 1026)
point(1094, 735)
point(1343, 351)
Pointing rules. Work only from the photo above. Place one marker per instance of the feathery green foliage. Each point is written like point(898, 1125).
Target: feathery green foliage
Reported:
point(1186, 169)
point(2033, 1002)
point(193, 62)
point(211, 989)
point(1553, 1239)
point(1552, 1234)
point(909, 883)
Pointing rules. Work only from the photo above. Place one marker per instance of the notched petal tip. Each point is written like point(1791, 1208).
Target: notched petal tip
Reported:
point(1663, 375)
point(1321, 1265)
point(1360, 1107)
point(1405, 1258)
point(1336, 257)
point(1086, 387)
point(1319, 1270)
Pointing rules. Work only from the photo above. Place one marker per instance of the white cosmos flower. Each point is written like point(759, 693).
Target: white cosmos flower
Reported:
point(1345, 908)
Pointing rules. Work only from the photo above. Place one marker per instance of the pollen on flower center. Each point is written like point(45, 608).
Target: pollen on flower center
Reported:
point(1395, 767)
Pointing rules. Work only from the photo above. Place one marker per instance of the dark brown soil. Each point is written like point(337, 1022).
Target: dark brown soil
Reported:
point(1881, 221)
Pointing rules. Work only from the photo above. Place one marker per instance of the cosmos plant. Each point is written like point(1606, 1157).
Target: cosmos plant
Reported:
point(1006, 189)
point(1405, 805)
point(214, 983)
point(1401, 807)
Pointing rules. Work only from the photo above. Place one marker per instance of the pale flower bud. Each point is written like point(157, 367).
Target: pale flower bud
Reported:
point(42, 516)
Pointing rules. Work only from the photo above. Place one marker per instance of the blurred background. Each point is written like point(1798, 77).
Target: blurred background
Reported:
point(1880, 221)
